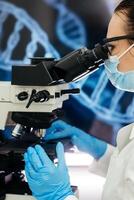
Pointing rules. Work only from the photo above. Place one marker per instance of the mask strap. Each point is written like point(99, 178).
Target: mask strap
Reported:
point(126, 51)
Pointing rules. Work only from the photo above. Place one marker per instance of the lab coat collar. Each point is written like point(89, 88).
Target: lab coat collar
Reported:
point(125, 135)
point(131, 137)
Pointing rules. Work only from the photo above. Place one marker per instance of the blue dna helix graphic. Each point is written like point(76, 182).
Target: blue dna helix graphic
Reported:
point(22, 21)
point(97, 94)
point(108, 103)
point(69, 27)
point(103, 101)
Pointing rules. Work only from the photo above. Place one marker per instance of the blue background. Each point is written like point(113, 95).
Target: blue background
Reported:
point(53, 28)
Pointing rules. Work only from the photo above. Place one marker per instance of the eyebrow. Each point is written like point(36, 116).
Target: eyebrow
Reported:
point(112, 39)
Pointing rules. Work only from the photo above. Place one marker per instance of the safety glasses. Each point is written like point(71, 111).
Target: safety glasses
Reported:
point(111, 46)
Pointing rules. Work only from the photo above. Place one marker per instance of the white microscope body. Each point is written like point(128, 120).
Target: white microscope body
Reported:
point(11, 99)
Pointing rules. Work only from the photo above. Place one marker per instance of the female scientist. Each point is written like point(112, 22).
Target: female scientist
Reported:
point(50, 182)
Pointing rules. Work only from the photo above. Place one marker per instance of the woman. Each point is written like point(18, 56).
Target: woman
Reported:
point(52, 183)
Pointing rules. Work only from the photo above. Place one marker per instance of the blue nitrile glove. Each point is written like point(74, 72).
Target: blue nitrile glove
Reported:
point(47, 181)
point(83, 141)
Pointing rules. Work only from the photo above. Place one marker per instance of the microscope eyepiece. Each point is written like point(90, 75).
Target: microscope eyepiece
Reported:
point(47, 71)
point(77, 63)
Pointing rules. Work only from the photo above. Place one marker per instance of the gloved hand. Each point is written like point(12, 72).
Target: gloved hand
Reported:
point(83, 141)
point(47, 181)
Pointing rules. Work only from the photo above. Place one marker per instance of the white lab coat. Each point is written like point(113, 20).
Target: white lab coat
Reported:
point(120, 177)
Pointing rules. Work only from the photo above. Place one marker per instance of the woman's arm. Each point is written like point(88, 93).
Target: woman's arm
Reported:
point(100, 166)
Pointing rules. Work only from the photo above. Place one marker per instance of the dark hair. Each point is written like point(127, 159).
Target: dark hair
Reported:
point(127, 7)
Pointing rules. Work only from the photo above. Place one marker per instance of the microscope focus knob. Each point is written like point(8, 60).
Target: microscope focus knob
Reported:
point(22, 96)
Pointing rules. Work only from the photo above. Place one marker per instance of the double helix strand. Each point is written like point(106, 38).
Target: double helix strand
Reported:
point(38, 36)
point(3, 17)
point(130, 109)
point(105, 102)
point(99, 90)
point(69, 27)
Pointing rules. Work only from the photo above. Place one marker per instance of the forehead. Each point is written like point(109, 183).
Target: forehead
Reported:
point(117, 26)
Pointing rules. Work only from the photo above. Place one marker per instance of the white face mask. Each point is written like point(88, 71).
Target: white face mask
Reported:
point(121, 80)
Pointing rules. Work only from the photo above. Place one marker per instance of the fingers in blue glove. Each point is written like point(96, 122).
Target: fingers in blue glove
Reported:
point(34, 159)
point(60, 155)
point(59, 124)
point(56, 126)
point(30, 172)
point(57, 135)
point(45, 160)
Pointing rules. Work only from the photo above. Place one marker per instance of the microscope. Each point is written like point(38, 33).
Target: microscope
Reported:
point(35, 97)
point(37, 91)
